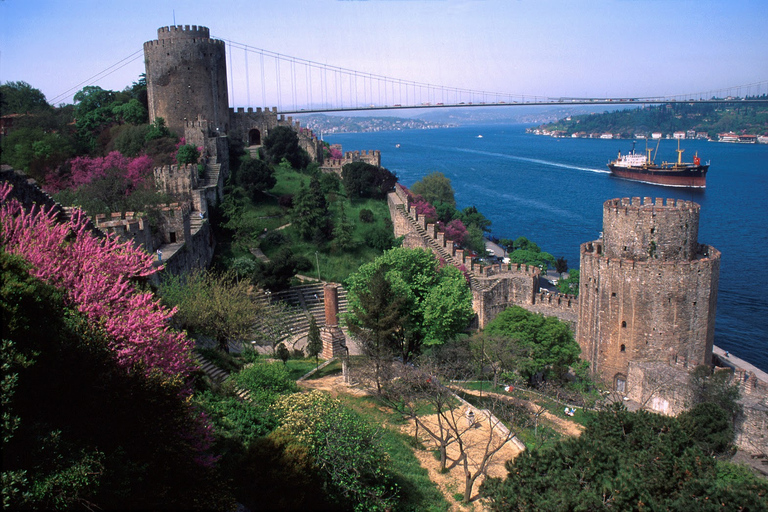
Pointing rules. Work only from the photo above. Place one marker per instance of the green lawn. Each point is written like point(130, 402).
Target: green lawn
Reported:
point(255, 216)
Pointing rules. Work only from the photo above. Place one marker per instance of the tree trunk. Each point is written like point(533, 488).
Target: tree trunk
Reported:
point(468, 484)
point(443, 458)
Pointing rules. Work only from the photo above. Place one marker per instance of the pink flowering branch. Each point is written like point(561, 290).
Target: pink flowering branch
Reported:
point(96, 275)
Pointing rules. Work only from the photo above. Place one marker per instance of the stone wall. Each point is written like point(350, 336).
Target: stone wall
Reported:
point(640, 230)
point(494, 287)
point(28, 193)
point(253, 126)
point(129, 226)
point(195, 253)
point(372, 157)
point(176, 180)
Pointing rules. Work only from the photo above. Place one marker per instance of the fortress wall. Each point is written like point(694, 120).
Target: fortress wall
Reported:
point(28, 193)
point(493, 296)
point(646, 310)
point(372, 157)
point(128, 225)
point(174, 223)
point(196, 253)
point(245, 121)
point(176, 180)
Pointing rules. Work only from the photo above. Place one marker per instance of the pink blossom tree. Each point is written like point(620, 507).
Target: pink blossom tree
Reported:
point(456, 231)
point(97, 276)
point(85, 169)
point(96, 273)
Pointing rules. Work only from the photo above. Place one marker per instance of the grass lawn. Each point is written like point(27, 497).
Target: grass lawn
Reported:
point(297, 368)
point(251, 218)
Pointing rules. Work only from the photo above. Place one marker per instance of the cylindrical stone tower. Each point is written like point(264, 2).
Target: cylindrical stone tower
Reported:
point(187, 78)
point(648, 289)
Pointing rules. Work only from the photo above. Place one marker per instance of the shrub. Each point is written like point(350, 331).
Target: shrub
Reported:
point(366, 216)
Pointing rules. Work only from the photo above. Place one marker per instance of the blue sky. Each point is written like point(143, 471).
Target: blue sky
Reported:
point(615, 48)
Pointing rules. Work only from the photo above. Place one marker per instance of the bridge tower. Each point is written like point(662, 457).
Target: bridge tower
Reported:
point(187, 78)
point(648, 289)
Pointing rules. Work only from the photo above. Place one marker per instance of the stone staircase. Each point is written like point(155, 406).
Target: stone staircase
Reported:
point(218, 376)
point(303, 301)
point(211, 175)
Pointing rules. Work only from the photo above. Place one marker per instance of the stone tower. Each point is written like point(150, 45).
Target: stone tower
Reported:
point(187, 78)
point(648, 289)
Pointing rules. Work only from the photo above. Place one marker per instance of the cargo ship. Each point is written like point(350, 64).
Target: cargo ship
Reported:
point(637, 167)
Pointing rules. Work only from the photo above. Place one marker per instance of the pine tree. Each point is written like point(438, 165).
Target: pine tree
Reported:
point(378, 322)
point(314, 343)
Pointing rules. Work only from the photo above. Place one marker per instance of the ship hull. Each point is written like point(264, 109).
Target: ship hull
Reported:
point(691, 176)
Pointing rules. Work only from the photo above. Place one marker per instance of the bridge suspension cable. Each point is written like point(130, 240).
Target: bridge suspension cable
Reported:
point(99, 76)
point(343, 88)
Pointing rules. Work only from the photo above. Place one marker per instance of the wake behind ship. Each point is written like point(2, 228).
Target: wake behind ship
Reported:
point(637, 167)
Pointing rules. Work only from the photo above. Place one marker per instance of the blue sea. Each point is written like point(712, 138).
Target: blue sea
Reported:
point(552, 190)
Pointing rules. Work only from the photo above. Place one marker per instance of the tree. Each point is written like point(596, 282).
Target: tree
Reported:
point(275, 275)
point(540, 259)
point(215, 305)
point(561, 265)
point(435, 188)
point(95, 337)
point(256, 177)
point(417, 389)
point(363, 180)
point(342, 232)
point(347, 451)
point(438, 302)
point(283, 143)
point(314, 342)
point(472, 217)
point(99, 276)
point(21, 98)
point(309, 214)
point(623, 461)
point(717, 388)
point(378, 323)
point(570, 285)
point(710, 426)
point(548, 341)
point(282, 353)
point(187, 154)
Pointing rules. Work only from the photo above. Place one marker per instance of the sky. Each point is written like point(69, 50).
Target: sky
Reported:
point(554, 48)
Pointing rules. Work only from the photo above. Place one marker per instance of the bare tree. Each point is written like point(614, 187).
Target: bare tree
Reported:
point(477, 452)
point(415, 389)
point(410, 391)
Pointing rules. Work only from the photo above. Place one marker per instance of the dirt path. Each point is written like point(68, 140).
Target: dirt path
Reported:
point(475, 439)
point(562, 425)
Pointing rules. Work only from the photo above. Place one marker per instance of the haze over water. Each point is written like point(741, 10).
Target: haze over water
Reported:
point(552, 191)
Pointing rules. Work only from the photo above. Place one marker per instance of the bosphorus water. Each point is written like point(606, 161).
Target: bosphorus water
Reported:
point(552, 192)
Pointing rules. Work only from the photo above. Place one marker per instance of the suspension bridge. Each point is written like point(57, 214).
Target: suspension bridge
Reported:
point(299, 86)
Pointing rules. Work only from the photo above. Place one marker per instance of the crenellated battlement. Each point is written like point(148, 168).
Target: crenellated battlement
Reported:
point(372, 157)
point(626, 205)
point(178, 31)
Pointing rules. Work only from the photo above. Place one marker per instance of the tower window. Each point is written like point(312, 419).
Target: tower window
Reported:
point(623, 348)
point(623, 323)
point(613, 294)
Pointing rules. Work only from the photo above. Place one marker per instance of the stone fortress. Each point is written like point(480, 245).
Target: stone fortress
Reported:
point(186, 77)
point(648, 289)
point(646, 312)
